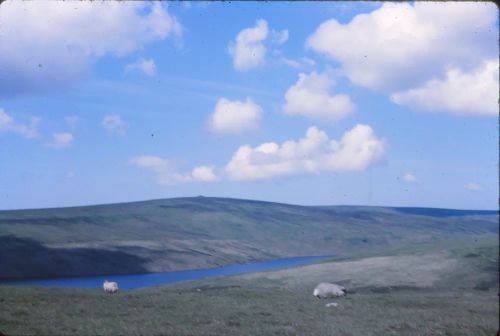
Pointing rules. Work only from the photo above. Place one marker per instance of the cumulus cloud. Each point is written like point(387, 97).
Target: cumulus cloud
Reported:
point(53, 49)
point(203, 173)
point(248, 50)
point(410, 178)
point(311, 96)
point(314, 153)
point(400, 42)
point(472, 186)
point(474, 93)
point(114, 124)
point(146, 66)
point(165, 173)
point(60, 140)
point(9, 125)
point(234, 116)
point(403, 46)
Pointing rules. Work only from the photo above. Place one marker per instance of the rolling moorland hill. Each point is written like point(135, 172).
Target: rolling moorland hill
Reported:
point(186, 233)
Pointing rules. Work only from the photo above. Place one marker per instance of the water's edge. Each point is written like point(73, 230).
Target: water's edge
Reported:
point(130, 281)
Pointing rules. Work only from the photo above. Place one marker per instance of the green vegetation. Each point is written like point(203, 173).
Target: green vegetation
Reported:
point(187, 233)
point(408, 271)
point(440, 288)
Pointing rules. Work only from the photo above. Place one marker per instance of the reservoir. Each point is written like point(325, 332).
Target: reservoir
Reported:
point(154, 279)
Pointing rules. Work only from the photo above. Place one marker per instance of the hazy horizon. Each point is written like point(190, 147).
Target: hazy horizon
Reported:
point(246, 199)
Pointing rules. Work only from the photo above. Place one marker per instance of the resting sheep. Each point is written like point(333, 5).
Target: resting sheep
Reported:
point(328, 290)
point(110, 287)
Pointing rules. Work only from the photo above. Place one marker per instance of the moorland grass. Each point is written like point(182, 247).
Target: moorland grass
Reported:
point(381, 300)
point(200, 232)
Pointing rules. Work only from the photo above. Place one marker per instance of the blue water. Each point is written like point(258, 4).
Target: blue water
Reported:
point(154, 279)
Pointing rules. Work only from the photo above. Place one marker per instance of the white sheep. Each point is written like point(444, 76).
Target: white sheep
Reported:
point(327, 290)
point(110, 287)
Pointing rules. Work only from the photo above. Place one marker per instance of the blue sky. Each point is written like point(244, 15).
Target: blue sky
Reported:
point(306, 103)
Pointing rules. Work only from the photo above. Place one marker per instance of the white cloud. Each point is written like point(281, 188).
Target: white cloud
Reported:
point(279, 37)
point(291, 62)
point(60, 140)
point(403, 46)
point(251, 45)
point(298, 63)
point(150, 162)
point(474, 93)
point(166, 175)
point(114, 124)
point(410, 178)
point(147, 66)
point(314, 153)
point(248, 51)
point(188, 5)
point(50, 50)
point(203, 173)
point(311, 96)
point(8, 124)
point(234, 116)
point(472, 186)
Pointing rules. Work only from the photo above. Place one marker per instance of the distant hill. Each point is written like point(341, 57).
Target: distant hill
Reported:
point(184, 233)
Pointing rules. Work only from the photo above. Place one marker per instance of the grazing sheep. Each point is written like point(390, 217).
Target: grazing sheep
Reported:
point(110, 287)
point(327, 290)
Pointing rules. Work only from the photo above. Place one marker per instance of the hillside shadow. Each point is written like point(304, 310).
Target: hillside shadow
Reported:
point(26, 258)
point(437, 212)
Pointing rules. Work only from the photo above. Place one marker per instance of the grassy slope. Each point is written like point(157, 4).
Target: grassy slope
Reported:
point(183, 233)
point(442, 288)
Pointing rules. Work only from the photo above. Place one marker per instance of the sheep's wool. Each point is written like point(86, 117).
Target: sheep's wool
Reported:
point(110, 287)
point(327, 290)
